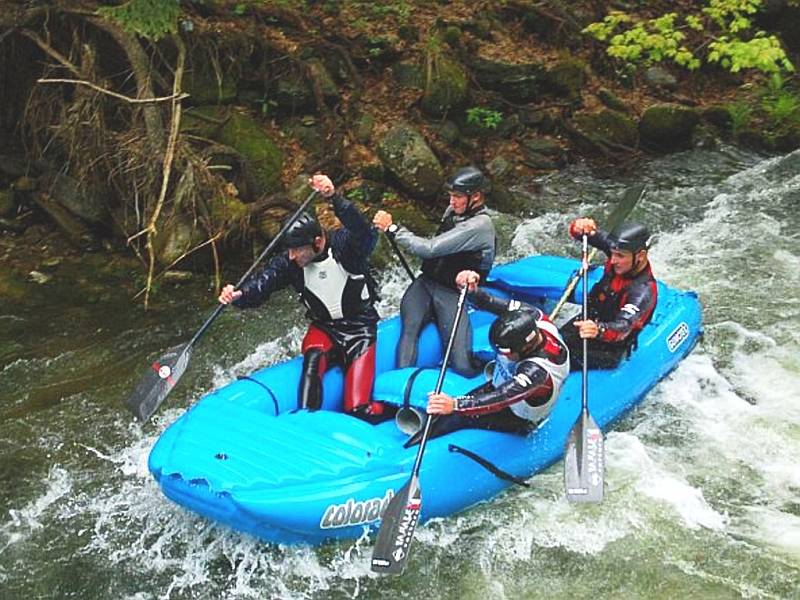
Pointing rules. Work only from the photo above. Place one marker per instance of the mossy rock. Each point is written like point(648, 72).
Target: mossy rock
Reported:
point(227, 209)
point(567, 78)
point(204, 121)
point(520, 83)
point(407, 156)
point(668, 127)
point(607, 126)
point(447, 89)
point(612, 101)
point(264, 157)
point(719, 116)
point(205, 85)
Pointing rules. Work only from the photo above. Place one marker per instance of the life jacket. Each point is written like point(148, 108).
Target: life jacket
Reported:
point(505, 369)
point(443, 269)
point(331, 292)
point(610, 295)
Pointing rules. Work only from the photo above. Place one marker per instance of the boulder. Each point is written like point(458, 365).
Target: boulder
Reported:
point(446, 89)
point(85, 202)
point(657, 76)
point(520, 83)
point(607, 127)
point(612, 101)
point(407, 156)
point(668, 127)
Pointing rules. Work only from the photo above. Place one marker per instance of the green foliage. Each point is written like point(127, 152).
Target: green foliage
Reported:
point(721, 29)
point(741, 114)
point(152, 19)
point(762, 53)
point(484, 117)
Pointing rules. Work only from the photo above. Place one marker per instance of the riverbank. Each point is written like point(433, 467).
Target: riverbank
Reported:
point(184, 134)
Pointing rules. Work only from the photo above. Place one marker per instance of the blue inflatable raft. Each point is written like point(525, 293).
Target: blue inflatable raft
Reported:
point(244, 456)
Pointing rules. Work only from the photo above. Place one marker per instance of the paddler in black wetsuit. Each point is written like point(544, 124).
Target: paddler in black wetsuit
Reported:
point(331, 272)
point(621, 303)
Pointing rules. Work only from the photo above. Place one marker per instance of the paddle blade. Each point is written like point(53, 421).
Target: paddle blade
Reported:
point(625, 206)
point(397, 528)
point(154, 387)
point(584, 461)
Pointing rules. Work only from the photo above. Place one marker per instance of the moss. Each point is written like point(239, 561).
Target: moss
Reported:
point(227, 209)
point(264, 157)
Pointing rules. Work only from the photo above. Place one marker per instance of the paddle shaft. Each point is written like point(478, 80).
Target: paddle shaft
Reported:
point(218, 310)
point(439, 381)
point(402, 258)
point(585, 341)
point(622, 210)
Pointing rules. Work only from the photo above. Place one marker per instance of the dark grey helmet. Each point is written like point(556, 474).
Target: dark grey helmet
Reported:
point(466, 180)
point(630, 236)
point(302, 231)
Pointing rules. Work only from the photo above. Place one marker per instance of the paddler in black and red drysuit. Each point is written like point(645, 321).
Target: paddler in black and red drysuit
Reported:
point(621, 303)
point(330, 269)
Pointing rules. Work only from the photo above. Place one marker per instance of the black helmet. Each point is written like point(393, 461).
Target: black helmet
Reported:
point(466, 181)
point(513, 330)
point(630, 236)
point(302, 231)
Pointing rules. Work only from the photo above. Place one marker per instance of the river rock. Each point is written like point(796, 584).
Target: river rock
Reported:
point(604, 127)
point(668, 127)
point(407, 156)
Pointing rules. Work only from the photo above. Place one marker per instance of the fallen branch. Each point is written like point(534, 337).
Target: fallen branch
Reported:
point(173, 97)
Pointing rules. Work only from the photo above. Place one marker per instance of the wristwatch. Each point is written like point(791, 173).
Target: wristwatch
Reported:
point(392, 228)
point(601, 329)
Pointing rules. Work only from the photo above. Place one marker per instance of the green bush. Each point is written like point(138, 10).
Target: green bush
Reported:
point(720, 32)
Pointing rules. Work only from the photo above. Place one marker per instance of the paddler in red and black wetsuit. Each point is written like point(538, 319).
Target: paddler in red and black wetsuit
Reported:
point(331, 271)
point(621, 303)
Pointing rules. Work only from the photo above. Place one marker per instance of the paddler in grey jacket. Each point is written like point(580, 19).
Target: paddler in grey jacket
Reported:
point(465, 240)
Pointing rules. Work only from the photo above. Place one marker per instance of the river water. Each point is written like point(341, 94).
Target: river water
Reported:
point(703, 496)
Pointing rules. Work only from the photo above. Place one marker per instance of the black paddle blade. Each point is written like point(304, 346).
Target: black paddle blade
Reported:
point(621, 211)
point(584, 461)
point(397, 528)
point(154, 387)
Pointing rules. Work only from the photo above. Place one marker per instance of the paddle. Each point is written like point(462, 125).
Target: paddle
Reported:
point(400, 519)
point(618, 215)
point(402, 258)
point(165, 372)
point(583, 458)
